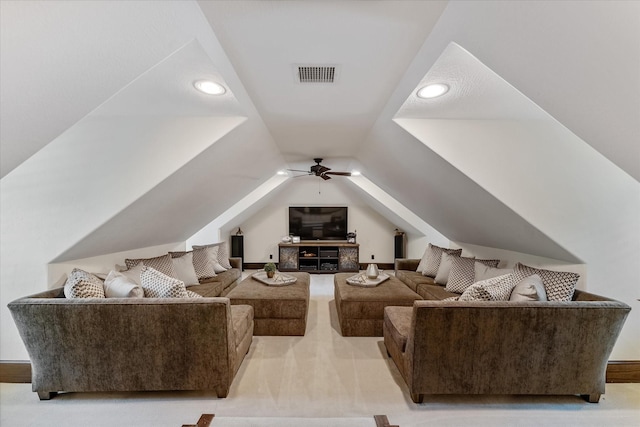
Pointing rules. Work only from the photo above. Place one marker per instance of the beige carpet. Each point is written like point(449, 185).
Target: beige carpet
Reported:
point(319, 376)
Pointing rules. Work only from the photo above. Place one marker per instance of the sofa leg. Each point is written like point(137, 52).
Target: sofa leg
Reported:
point(592, 398)
point(417, 397)
point(46, 395)
point(222, 391)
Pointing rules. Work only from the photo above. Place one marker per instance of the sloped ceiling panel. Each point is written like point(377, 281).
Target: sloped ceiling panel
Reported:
point(61, 60)
point(186, 201)
point(454, 205)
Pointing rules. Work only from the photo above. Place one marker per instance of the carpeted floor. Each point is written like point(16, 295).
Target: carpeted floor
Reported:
point(321, 377)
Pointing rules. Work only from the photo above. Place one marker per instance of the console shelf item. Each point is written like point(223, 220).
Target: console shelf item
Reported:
point(319, 257)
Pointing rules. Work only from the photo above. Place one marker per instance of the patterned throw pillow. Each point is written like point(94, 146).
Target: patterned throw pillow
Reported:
point(495, 289)
point(202, 263)
point(432, 256)
point(191, 294)
point(158, 285)
point(559, 285)
point(529, 289)
point(222, 255)
point(81, 284)
point(445, 268)
point(462, 274)
point(161, 263)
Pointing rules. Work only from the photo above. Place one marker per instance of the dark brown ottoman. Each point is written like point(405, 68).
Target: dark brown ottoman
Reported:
point(361, 310)
point(277, 310)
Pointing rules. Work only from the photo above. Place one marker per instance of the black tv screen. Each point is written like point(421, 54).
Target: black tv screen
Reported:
point(318, 223)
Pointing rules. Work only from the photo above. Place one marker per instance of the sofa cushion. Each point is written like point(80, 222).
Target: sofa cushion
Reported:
point(184, 270)
point(413, 278)
point(159, 285)
point(434, 292)
point(559, 285)
point(494, 289)
point(462, 274)
point(118, 285)
point(398, 321)
point(81, 284)
point(219, 285)
point(161, 263)
point(241, 318)
point(431, 259)
point(529, 289)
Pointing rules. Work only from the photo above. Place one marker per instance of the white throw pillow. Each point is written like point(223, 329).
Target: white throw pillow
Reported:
point(133, 274)
point(159, 285)
point(81, 284)
point(529, 289)
point(184, 270)
point(117, 285)
point(484, 272)
point(494, 289)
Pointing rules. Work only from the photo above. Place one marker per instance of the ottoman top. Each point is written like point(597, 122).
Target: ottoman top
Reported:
point(251, 288)
point(389, 290)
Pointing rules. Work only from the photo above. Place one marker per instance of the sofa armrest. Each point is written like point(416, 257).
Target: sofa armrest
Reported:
point(406, 264)
point(236, 262)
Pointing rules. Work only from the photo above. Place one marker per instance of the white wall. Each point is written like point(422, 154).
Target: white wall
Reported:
point(264, 230)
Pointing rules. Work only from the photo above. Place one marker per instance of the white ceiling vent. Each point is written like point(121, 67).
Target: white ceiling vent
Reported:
point(315, 73)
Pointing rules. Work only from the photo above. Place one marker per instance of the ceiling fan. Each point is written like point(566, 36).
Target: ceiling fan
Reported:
point(319, 170)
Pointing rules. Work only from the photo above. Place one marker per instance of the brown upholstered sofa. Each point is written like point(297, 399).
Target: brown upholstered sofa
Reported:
point(500, 347)
point(132, 344)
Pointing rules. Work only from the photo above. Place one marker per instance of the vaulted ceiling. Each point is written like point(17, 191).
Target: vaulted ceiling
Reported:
point(103, 130)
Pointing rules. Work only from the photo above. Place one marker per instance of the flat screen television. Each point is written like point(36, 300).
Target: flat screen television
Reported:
point(318, 222)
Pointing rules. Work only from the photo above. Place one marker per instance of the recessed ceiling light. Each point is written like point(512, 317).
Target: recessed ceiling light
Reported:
point(355, 173)
point(282, 173)
point(433, 90)
point(209, 87)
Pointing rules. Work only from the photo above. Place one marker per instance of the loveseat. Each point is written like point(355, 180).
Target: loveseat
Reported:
point(132, 344)
point(445, 346)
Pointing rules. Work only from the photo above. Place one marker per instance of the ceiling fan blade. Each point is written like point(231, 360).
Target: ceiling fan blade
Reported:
point(299, 176)
point(339, 173)
point(325, 177)
point(298, 170)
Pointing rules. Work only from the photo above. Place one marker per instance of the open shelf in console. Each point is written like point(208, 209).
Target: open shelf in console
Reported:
point(319, 257)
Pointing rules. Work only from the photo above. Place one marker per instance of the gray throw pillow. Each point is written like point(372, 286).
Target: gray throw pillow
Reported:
point(529, 289)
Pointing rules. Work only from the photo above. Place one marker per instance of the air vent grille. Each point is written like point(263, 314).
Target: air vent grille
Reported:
point(316, 74)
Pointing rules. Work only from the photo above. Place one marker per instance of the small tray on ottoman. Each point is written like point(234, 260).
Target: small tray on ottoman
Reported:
point(362, 280)
point(278, 279)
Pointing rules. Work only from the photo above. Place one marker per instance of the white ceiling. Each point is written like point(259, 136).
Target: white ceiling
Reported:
point(128, 62)
point(372, 43)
